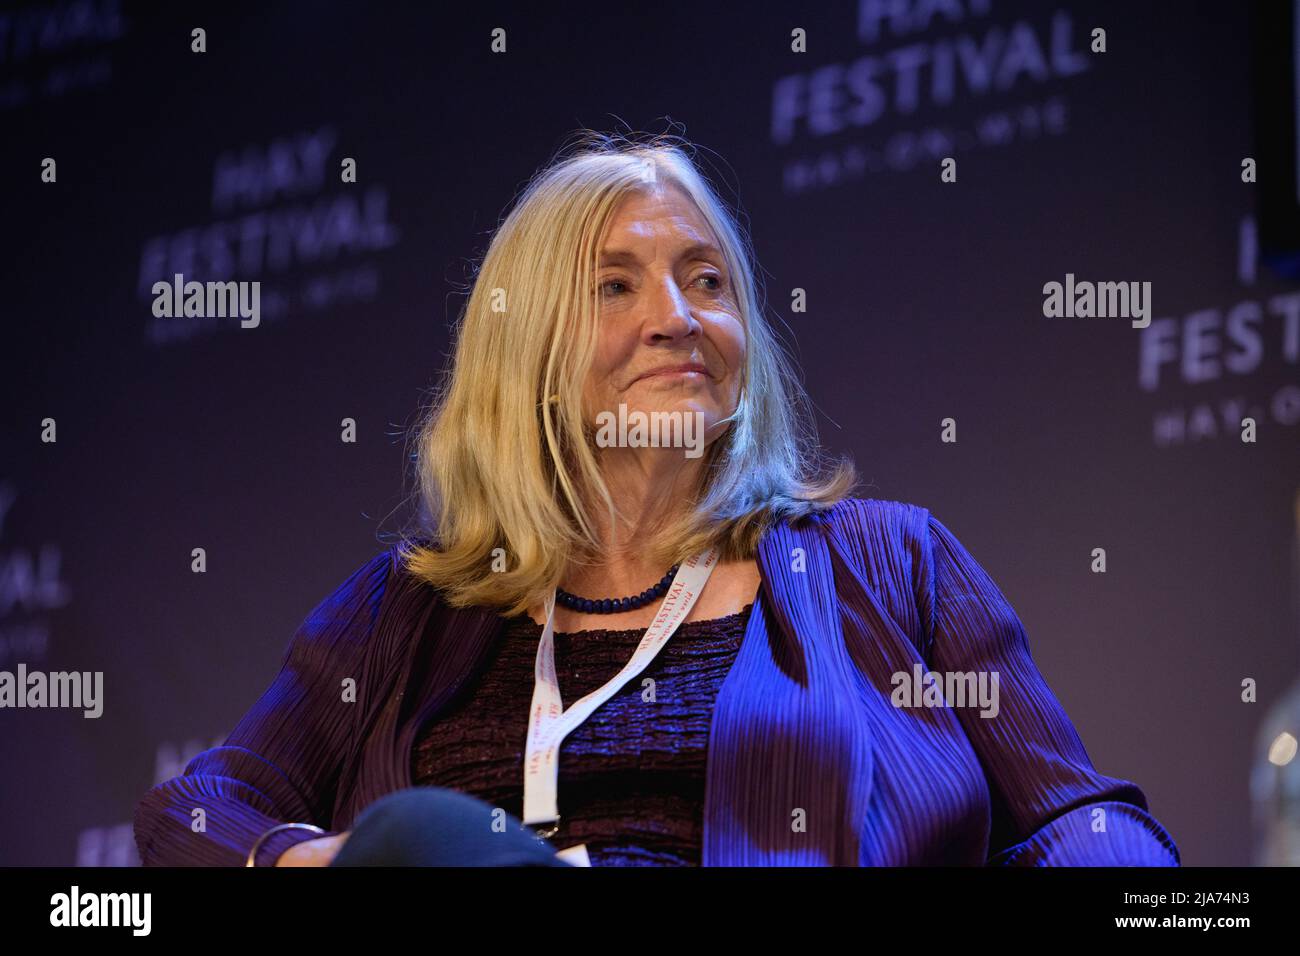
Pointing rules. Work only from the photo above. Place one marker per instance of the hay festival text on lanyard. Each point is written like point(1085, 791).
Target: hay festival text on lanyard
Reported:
point(549, 723)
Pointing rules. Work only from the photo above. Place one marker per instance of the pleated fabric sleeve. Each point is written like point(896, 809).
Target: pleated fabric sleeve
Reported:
point(282, 761)
point(1045, 792)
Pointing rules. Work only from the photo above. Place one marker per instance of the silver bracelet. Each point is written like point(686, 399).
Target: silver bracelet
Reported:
point(252, 854)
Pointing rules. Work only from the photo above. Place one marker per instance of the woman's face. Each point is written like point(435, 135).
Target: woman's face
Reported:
point(666, 300)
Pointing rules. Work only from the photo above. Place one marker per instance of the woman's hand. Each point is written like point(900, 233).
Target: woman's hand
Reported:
point(318, 852)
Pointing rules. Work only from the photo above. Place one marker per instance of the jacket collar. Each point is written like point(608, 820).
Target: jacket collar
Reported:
point(786, 713)
point(790, 754)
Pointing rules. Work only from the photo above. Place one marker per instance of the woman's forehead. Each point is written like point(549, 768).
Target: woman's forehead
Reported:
point(663, 215)
point(663, 197)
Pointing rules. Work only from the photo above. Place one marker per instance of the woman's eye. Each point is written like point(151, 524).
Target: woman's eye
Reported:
point(618, 287)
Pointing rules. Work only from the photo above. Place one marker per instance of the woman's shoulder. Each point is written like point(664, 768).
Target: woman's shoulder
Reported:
point(361, 593)
point(884, 534)
point(376, 581)
point(885, 520)
point(908, 535)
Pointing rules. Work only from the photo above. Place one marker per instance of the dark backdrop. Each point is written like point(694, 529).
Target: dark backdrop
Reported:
point(924, 303)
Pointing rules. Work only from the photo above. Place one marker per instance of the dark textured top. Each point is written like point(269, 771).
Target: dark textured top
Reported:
point(632, 775)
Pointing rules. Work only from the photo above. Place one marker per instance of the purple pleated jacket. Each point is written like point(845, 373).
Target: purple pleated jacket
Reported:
point(809, 762)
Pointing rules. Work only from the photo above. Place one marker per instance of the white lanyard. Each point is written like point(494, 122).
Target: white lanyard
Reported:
point(549, 723)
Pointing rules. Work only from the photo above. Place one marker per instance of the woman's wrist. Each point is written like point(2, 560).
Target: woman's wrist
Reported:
point(293, 833)
point(318, 852)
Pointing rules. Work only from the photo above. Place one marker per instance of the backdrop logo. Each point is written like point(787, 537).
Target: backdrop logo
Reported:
point(924, 57)
point(1235, 353)
point(114, 845)
point(52, 49)
point(31, 585)
point(288, 222)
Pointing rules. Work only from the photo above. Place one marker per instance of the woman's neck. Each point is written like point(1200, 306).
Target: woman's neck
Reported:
point(650, 488)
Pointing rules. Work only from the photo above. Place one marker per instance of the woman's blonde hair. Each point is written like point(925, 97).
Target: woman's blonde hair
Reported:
point(505, 467)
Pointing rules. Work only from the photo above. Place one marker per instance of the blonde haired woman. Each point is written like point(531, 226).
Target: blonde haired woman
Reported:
point(633, 650)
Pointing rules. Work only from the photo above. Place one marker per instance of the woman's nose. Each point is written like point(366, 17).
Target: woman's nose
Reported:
point(670, 312)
